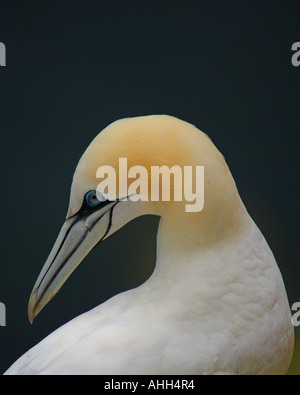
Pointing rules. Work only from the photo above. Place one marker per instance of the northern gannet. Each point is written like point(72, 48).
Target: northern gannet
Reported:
point(215, 303)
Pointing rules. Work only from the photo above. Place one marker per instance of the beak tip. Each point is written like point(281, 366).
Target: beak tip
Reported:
point(31, 316)
point(32, 308)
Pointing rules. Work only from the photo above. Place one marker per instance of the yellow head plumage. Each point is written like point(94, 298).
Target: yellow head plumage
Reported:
point(156, 140)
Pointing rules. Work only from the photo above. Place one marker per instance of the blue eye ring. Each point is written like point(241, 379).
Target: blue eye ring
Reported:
point(92, 198)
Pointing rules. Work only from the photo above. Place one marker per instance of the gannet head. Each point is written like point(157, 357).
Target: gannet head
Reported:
point(95, 212)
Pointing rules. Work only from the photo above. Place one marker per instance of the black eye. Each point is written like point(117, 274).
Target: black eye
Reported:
point(92, 198)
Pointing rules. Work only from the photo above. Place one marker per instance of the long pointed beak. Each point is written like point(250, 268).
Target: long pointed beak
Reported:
point(77, 238)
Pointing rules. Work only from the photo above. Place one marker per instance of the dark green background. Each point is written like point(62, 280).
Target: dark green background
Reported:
point(73, 68)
